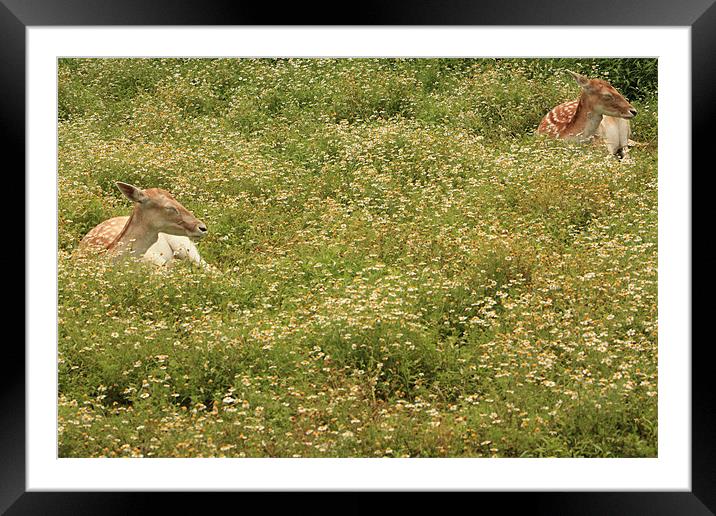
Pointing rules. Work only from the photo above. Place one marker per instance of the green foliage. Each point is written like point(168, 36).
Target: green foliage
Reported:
point(401, 267)
point(635, 78)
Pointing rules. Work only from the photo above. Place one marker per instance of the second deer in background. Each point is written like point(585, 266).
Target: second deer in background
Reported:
point(599, 111)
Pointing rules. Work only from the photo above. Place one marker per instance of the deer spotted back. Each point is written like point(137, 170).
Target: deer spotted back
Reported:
point(105, 233)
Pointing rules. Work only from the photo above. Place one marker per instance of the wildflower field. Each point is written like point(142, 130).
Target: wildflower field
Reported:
point(401, 267)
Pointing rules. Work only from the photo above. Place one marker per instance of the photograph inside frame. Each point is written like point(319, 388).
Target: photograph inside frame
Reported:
point(427, 257)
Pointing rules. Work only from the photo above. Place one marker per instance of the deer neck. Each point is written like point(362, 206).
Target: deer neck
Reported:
point(586, 120)
point(136, 237)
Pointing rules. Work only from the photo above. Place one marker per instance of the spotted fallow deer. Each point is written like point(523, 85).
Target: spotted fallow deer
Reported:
point(159, 229)
point(599, 111)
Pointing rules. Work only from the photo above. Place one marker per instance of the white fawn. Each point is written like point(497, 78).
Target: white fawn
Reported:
point(599, 111)
point(159, 229)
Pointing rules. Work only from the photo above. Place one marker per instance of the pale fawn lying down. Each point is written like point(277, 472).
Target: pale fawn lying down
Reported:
point(159, 230)
point(599, 112)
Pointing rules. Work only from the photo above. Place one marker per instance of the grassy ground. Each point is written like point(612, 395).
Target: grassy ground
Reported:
point(404, 269)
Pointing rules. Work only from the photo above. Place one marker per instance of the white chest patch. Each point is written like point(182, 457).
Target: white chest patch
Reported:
point(615, 132)
point(168, 248)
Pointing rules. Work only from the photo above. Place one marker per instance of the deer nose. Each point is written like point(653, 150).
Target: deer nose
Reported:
point(632, 111)
point(202, 227)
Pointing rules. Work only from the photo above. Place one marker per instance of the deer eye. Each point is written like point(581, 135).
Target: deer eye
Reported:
point(607, 96)
point(172, 209)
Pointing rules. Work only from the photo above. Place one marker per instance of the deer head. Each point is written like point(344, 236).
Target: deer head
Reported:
point(602, 97)
point(157, 211)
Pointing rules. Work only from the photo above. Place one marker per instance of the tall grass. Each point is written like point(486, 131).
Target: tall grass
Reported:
point(403, 268)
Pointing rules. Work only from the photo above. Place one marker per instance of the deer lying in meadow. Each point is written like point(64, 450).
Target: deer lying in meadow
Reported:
point(599, 111)
point(159, 229)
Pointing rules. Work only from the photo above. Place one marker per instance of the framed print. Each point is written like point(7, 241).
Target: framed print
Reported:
point(384, 256)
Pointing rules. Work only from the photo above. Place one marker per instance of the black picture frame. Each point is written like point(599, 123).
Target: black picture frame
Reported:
point(17, 15)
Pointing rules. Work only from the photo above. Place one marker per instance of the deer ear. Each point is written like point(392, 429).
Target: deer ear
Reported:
point(132, 192)
point(581, 79)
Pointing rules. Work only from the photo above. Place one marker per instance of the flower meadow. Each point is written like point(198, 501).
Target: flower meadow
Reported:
point(401, 268)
